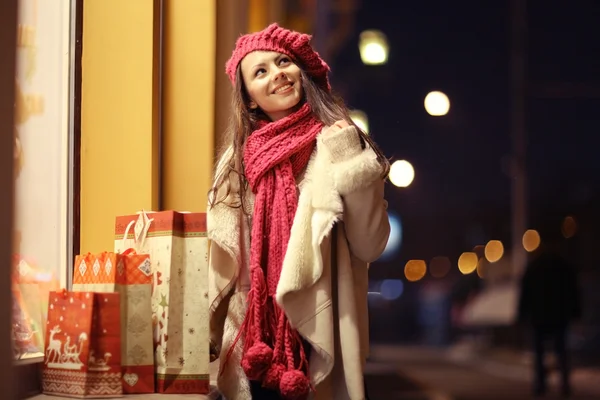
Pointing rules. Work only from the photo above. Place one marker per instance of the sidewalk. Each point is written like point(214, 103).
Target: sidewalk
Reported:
point(441, 378)
point(511, 364)
point(467, 373)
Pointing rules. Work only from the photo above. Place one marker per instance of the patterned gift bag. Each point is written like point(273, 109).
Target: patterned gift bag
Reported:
point(177, 245)
point(130, 275)
point(83, 345)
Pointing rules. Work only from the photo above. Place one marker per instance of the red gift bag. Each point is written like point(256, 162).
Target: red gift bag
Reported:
point(83, 345)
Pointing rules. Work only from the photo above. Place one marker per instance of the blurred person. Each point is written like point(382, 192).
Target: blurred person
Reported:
point(296, 213)
point(549, 302)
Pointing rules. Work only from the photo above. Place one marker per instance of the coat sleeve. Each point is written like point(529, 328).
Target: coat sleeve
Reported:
point(357, 178)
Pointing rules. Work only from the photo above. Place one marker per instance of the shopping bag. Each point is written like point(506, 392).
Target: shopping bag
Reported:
point(130, 275)
point(83, 345)
point(177, 245)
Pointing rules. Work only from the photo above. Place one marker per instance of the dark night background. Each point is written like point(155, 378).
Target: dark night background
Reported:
point(461, 160)
point(461, 194)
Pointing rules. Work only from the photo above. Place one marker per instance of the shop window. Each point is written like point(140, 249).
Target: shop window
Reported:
point(43, 166)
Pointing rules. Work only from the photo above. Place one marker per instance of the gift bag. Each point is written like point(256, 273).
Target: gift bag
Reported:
point(177, 245)
point(130, 275)
point(83, 345)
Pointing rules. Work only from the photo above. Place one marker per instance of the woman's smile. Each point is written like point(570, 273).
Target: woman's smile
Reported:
point(285, 88)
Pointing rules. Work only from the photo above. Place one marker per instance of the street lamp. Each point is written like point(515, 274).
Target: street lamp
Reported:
point(402, 173)
point(437, 104)
point(360, 119)
point(373, 47)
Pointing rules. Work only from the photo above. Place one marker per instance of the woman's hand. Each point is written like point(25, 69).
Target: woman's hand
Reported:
point(336, 127)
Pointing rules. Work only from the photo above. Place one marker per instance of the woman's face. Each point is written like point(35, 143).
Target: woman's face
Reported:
point(273, 83)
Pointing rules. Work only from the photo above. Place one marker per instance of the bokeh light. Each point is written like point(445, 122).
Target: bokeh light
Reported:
point(467, 262)
point(494, 250)
point(439, 267)
point(373, 47)
point(391, 289)
point(415, 270)
point(402, 173)
point(437, 104)
point(482, 267)
point(360, 119)
point(531, 240)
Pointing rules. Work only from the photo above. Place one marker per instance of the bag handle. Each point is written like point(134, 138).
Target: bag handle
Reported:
point(141, 226)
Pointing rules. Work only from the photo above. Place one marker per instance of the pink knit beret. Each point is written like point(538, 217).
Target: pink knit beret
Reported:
point(293, 44)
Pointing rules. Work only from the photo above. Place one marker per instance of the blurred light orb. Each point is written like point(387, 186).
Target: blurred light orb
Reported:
point(467, 262)
point(437, 104)
point(395, 239)
point(482, 267)
point(531, 240)
point(569, 227)
point(494, 250)
point(391, 289)
point(415, 270)
point(360, 119)
point(479, 250)
point(402, 173)
point(439, 267)
point(373, 47)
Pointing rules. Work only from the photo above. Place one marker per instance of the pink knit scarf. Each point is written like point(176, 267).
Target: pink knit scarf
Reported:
point(275, 155)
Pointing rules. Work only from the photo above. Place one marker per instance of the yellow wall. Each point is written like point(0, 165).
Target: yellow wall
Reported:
point(258, 15)
point(119, 118)
point(120, 111)
point(189, 98)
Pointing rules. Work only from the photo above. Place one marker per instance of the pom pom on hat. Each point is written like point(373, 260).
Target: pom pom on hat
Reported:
point(275, 38)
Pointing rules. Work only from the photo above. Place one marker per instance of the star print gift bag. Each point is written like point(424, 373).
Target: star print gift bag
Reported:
point(178, 249)
point(130, 275)
point(83, 345)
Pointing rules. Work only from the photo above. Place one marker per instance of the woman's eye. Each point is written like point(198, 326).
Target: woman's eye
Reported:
point(259, 72)
point(284, 60)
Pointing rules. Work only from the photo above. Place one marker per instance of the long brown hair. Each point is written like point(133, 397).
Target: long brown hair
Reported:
point(229, 171)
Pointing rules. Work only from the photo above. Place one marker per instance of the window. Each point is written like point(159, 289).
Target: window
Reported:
point(43, 160)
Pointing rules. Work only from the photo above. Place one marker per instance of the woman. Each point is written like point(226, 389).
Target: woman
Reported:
point(296, 213)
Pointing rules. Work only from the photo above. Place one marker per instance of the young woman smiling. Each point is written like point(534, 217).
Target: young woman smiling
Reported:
point(296, 213)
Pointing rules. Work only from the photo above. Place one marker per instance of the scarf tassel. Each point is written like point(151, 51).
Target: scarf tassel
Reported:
point(258, 356)
point(294, 384)
point(278, 368)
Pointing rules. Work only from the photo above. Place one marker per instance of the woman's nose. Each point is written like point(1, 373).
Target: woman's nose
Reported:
point(279, 75)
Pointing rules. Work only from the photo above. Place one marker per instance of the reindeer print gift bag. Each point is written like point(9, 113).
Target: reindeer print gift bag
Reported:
point(83, 345)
